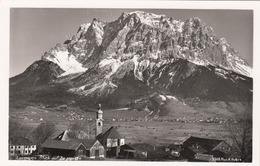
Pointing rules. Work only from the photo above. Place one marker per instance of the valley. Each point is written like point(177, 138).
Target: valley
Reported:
point(135, 126)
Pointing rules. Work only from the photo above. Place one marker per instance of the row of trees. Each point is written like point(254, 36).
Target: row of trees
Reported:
point(21, 134)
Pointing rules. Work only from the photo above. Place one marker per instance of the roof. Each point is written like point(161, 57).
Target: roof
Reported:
point(69, 134)
point(111, 133)
point(88, 143)
point(72, 144)
point(63, 136)
point(206, 143)
point(180, 140)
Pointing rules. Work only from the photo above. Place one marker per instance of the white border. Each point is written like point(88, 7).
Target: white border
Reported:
point(4, 67)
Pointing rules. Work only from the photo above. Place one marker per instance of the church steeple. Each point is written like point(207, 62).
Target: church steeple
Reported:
point(99, 121)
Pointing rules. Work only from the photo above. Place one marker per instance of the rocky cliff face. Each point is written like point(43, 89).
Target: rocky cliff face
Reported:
point(143, 51)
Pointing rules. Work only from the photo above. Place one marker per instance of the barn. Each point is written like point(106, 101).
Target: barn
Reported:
point(74, 148)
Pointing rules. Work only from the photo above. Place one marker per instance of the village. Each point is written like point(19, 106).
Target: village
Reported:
point(111, 144)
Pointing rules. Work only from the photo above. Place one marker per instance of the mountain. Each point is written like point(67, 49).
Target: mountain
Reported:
point(135, 57)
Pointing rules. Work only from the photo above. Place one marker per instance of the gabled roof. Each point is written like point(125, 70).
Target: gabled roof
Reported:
point(68, 134)
point(72, 144)
point(57, 144)
point(111, 133)
point(206, 143)
point(63, 136)
point(88, 143)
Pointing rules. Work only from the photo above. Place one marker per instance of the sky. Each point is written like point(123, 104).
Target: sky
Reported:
point(33, 31)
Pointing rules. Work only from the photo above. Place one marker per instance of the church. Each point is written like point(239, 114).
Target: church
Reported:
point(110, 139)
point(105, 144)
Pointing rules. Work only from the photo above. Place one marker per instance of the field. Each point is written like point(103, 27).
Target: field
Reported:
point(135, 126)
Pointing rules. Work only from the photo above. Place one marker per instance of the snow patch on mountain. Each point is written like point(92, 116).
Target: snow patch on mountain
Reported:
point(99, 32)
point(172, 97)
point(137, 73)
point(243, 69)
point(100, 89)
point(112, 63)
point(66, 62)
point(150, 19)
point(199, 62)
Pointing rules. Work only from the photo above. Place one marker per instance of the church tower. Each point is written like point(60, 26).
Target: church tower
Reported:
point(99, 121)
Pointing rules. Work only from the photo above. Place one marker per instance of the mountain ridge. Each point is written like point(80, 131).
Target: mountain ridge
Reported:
point(109, 43)
point(140, 54)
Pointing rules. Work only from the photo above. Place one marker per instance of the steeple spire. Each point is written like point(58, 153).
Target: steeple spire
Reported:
point(99, 121)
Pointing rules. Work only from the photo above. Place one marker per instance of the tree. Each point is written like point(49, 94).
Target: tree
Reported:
point(81, 130)
point(43, 132)
point(74, 130)
point(17, 135)
point(241, 135)
point(18, 132)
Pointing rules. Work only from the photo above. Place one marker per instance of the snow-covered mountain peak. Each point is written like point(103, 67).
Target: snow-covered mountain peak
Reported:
point(84, 27)
point(146, 15)
point(163, 40)
point(150, 19)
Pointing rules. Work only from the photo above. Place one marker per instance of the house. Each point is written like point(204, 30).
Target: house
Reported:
point(74, 148)
point(22, 149)
point(205, 149)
